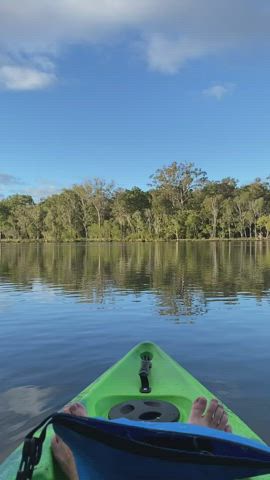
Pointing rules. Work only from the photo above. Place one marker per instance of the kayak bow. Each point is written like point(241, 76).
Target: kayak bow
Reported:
point(139, 409)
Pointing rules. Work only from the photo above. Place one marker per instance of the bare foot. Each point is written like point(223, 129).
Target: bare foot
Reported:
point(214, 417)
point(61, 452)
point(76, 409)
point(64, 457)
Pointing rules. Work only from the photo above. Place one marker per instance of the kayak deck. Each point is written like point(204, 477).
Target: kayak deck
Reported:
point(169, 382)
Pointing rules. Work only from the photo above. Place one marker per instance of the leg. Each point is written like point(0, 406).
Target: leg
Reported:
point(61, 452)
point(63, 456)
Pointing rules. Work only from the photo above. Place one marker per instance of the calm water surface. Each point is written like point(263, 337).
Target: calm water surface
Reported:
point(68, 311)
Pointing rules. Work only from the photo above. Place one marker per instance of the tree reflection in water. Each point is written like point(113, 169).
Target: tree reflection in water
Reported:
point(181, 276)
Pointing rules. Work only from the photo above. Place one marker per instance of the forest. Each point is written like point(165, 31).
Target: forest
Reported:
point(181, 203)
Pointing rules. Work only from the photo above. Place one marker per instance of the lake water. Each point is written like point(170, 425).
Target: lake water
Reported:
point(67, 312)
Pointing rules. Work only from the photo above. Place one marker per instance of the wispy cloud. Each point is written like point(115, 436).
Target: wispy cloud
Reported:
point(39, 189)
point(219, 91)
point(6, 179)
point(14, 77)
point(42, 188)
point(40, 192)
point(8, 183)
point(168, 55)
point(171, 32)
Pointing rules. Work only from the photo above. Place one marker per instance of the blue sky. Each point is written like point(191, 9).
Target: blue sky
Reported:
point(117, 90)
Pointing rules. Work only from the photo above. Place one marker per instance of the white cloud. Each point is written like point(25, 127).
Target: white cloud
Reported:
point(42, 188)
point(39, 189)
point(168, 55)
point(172, 32)
point(13, 77)
point(219, 91)
point(42, 191)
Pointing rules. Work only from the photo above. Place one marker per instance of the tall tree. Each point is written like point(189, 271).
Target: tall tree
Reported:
point(212, 206)
point(227, 217)
point(177, 181)
point(4, 213)
point(85, 206)
point(127, 203)
point(101, 197)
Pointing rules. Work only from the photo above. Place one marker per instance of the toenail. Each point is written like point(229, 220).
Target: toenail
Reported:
point(219, 421)
point(200, 400)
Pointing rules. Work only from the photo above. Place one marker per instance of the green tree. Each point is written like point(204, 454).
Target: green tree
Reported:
point(181, 203)
point(177, 181)
point(128, 206)
point(241, 210)
point(4, 213)
point(101, 195)
point(85, 206)
point(263, 223)
point(16, 224)
point(227, 217)
point(212, 207)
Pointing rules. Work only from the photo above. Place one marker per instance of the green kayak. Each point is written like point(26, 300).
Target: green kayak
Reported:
point(160, 381)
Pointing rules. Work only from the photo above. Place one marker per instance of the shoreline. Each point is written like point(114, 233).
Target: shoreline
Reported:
point(180, 240)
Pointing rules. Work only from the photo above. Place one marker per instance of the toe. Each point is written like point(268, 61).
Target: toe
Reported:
point(198, 408)
point(73, 408)
point(228, 429)
point(223, 421)
point(218, 416)
point(199, 405)
point(67, 408)
point(78, 409)
point(211, 410)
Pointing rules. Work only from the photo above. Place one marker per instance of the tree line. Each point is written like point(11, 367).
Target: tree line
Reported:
point(181, 203)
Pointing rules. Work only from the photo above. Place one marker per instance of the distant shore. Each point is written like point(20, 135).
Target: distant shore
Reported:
point(182, 204)
point(180, 240)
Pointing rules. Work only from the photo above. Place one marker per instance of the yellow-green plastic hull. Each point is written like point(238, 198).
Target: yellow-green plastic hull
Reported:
point(169, 382)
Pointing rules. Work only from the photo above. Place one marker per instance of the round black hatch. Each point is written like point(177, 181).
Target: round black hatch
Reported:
point(145, 410)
